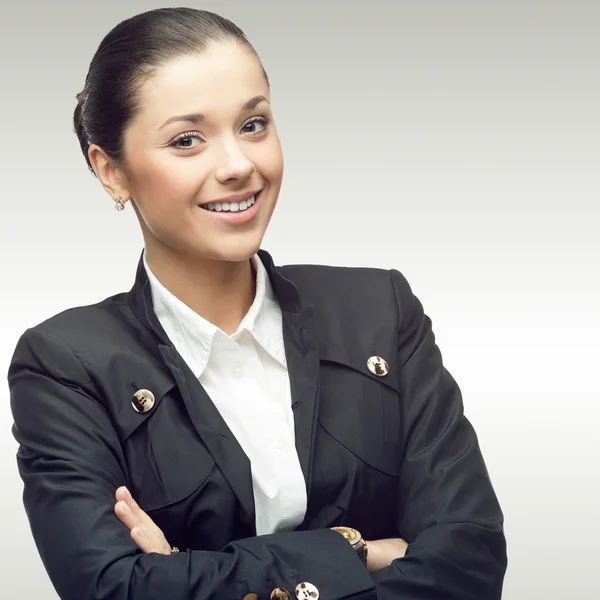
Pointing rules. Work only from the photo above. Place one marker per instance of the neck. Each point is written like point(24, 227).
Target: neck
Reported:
point(219, 291)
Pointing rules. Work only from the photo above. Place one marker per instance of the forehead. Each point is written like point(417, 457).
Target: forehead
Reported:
point(224, 76)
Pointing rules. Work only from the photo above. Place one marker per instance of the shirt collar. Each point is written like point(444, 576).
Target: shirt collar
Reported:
point(193, 336)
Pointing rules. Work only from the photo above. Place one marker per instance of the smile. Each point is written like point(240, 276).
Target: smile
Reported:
point(230, 206)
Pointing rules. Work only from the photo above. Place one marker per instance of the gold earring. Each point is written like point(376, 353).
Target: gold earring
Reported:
point(119, 204)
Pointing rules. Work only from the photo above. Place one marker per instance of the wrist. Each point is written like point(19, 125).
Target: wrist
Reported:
point(374, 557)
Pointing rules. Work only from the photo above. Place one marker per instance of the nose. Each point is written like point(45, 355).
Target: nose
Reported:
point(234, 164)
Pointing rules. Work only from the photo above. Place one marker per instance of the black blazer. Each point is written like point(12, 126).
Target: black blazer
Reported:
point(391, 456)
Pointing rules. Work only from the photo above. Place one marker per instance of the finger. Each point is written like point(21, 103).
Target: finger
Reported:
point(147, 539)
point(147, 542)
point(126, 515)
point(123, 495)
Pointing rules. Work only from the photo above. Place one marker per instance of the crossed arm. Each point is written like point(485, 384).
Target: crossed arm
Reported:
point(150, 538)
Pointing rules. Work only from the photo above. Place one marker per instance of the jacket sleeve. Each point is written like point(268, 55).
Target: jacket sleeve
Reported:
point(448, 511)
point(71, 463)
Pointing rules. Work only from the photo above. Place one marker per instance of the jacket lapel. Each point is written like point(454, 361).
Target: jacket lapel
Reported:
point(302, 354)
point(211, 427)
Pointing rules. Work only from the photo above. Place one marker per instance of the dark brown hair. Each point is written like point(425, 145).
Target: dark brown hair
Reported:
point(127, 56)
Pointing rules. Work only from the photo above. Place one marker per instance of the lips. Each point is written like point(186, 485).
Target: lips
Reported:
point(232, 212)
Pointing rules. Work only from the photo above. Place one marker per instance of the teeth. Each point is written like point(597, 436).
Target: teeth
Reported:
point(231, 206)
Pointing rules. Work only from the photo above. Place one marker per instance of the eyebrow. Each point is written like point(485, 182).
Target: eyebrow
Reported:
point(197, 117)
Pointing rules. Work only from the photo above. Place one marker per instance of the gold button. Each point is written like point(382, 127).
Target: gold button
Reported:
point(307, 591)
point(378, 366)
point(250, 597)
point(280, 594)
point(143, 401)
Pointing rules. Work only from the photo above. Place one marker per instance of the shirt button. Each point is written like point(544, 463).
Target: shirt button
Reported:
point(237, 370)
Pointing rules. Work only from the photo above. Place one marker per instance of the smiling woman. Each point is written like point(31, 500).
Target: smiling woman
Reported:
point(231, 429)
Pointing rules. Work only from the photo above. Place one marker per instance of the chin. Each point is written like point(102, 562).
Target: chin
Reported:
point(234, 250)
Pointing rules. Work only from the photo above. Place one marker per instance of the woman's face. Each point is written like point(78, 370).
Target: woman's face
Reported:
point(201, 149)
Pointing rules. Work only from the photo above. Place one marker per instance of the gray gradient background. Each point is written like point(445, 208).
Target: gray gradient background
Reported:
point(455, 141)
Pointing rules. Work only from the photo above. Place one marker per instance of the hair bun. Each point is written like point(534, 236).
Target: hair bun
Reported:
point(79, 126)
point(81, 96)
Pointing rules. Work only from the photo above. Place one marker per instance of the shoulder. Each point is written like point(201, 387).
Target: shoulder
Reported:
point(88, 316)
point(359, 288)
point(98, 321)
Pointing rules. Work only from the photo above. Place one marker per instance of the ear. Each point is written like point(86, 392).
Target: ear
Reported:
point(110, 175)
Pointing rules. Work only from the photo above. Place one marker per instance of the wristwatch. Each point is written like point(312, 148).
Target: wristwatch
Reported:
point(356, 541)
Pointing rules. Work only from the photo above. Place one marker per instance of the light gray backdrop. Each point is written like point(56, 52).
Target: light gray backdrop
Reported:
point(454, 141)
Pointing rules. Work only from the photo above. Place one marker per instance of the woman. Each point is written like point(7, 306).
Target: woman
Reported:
point(224, 406)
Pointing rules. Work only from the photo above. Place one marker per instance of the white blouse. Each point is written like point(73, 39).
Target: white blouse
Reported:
point(245, 375)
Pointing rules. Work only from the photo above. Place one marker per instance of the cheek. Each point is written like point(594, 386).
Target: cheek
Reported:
point(167, 180)
point(269, 160)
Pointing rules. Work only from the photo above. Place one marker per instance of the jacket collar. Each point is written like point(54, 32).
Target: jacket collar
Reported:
point(140, 296)
point(194, 337)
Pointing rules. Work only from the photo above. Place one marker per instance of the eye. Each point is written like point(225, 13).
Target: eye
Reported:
point(256, 126)
point(186, 141)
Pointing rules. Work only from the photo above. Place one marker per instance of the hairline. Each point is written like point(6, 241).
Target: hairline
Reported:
point(147, 72)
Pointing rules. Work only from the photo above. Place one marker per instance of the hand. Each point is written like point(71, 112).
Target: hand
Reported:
point(381, 553)
point(144, 532)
